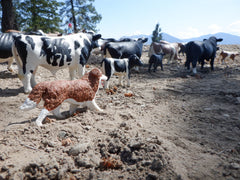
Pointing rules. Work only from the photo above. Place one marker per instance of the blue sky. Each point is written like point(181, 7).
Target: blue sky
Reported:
point(180, 18)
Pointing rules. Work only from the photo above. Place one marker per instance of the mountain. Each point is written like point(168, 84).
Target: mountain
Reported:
point(227, 38)
point(165, 37)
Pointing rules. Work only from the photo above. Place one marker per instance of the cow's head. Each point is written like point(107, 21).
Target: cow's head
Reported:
point(215, 40)
point(134, 61)
point(94, 39)
point(143, 40)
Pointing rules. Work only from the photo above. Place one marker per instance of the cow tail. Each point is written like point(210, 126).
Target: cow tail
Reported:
point(33, 99)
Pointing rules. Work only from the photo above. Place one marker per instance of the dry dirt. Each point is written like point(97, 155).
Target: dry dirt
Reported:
point(175, 126)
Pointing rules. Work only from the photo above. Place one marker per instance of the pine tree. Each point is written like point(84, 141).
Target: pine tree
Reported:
point(39, 14)
point(82, 14)
point(8, 15)
point(157, 35)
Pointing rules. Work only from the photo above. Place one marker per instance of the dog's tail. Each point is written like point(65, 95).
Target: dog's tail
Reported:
point(34, 98)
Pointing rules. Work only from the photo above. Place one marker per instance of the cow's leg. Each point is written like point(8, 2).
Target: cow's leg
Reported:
point(72, 72)
point(128, 78)
point(202, 63)
point(194, 64)
point(161, 65)
point(92, 105)
point(27, 82)
point(170, 59)
point(156, 64)
point(9, 67)
point(187, 63)
point(128, 81)
point(41, 117)
point(57, 112)
point(81, 70)
point(33, 81)
point(136, 68)
point(120, 80)
point(106, 84)
point(149, 67)
point(223, 60)
point(212, 64)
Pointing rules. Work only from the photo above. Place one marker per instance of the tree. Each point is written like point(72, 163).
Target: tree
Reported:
point(8, 15)
point(39, 14)
point(81, 13)
point(157, 35)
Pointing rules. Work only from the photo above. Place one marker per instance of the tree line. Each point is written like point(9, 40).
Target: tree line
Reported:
point(53, 16)
point(49, 16)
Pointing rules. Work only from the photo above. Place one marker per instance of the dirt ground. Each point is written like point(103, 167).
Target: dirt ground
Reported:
point(174, 126)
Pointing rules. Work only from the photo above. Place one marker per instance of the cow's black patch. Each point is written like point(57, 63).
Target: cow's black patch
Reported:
point(85, 52)
point(6, 41)
point(30, 41)
point(76, 45)
point(108, 69)
point(120, 65)
point(22, 50)
point(56, 50)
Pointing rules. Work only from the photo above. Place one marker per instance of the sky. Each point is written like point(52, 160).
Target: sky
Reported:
point(180, 18)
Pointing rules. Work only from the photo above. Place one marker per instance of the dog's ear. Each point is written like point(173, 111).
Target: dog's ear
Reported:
point(95, 73)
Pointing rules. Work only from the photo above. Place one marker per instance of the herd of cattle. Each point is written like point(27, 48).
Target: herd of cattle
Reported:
point(38, 49)
point(72, 51)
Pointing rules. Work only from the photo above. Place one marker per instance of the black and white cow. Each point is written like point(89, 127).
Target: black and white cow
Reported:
point(124, 49)
point(6, 40)
point(119, 67)
point(155, 60)
point(198, 51)
point(53, 53)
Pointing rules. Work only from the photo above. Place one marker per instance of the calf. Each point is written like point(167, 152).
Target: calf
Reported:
point(53, 53)
point(156, 60)
point(119, 67)
point(198, 51)
point(227, 55)
point(76, 92)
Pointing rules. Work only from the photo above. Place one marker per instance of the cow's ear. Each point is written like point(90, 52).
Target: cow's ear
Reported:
point(144, 40)
point(219, 39)
point(96, 37)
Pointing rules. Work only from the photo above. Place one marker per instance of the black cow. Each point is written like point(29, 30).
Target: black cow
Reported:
point(120, 67)
point(124, 49)
point(155, 60)
point(198, 51)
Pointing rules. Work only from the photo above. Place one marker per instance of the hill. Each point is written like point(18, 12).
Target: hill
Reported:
point(227, 38)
